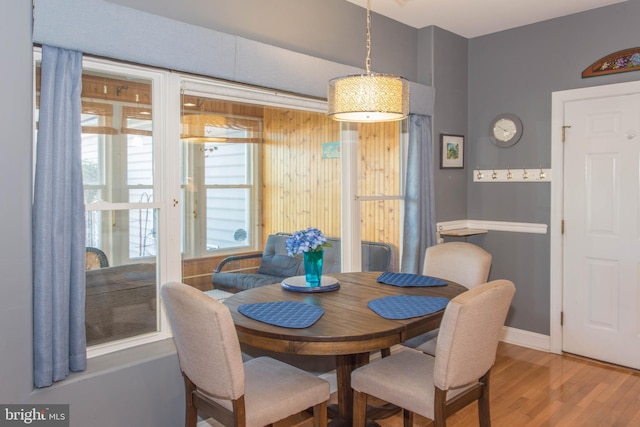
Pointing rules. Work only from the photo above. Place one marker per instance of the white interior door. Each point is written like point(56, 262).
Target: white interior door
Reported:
point(601, 272)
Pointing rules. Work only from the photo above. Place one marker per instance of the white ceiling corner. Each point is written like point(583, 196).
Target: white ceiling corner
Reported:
point(473, 18)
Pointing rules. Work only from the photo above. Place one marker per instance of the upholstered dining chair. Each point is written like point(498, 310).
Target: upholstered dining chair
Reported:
point(458, 375)
point(461, 262)
point(218, 384)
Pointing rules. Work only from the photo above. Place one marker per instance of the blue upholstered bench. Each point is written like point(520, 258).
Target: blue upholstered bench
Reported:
point(276, 265)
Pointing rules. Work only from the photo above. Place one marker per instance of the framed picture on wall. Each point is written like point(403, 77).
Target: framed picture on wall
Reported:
point(451, 151)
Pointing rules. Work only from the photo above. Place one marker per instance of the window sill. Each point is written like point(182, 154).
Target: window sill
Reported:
point(132, 342)
point(118, 360)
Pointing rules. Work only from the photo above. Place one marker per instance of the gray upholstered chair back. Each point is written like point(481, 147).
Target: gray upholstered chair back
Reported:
point(469, 334)
point(276, 261)
point(376, 256)
point(460, 262)
point(206, 340)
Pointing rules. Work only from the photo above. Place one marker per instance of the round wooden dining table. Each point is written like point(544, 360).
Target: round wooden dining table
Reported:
point(348, 329)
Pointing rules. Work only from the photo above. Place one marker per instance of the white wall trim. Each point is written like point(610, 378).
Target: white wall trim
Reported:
point(525, 339)
point(451, 225)
point(512, 175)
point(515, 227)
point(201, 86)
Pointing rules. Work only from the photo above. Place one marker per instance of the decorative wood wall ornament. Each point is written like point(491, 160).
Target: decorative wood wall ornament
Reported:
point(617, 62)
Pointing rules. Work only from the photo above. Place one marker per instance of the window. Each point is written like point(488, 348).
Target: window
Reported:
point(180, 172)
point(118, 165)
point(220, 152)
point(123, 217)
point(380, 177)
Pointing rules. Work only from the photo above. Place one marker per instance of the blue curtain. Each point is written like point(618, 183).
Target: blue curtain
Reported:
point(419, 220)
point(59, 342)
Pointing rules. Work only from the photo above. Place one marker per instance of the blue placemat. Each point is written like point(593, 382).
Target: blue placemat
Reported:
point(408, 279)
point(287, 314)
point(406, 306)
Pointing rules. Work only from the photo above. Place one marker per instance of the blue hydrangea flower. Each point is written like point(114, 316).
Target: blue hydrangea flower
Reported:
point(309, 240)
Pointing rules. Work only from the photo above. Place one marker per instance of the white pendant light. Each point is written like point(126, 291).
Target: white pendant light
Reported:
point(368, 97)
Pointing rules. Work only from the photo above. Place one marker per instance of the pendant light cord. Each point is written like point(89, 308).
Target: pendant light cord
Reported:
point(368, 61)
point(370, 97)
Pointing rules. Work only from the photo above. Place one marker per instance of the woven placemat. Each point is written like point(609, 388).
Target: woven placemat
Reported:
point(287, 314)
point(406, 306)
point(408, 279)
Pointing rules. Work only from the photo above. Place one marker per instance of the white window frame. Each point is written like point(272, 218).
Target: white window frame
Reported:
point(351, 201)
point(166, 270)
point(195, 240)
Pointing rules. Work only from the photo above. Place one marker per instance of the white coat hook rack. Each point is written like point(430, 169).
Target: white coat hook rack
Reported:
point(542, 174)
point(512, 175)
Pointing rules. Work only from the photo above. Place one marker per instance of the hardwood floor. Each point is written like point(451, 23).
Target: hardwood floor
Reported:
point(534, 388)
point(531, 388)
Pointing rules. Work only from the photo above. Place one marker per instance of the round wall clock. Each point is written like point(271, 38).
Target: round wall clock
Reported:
point(505, 130)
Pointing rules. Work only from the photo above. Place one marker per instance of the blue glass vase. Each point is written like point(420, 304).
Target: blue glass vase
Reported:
point(313, 267)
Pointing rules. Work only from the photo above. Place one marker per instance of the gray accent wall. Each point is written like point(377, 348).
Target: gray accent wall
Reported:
point(512, 71)
point(15, 193)
point(331, 29)
point(516, 71)
point(449, 78)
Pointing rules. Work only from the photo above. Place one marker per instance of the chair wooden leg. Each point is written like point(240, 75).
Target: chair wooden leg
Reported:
point(320, 415)
point(191, 412)
point(385, 352)
point(440, 408)
point(239, 412)
point(484, 412)
point(359, 409)
point(407, 418)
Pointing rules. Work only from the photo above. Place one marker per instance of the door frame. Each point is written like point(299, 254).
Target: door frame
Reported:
point(558, 100)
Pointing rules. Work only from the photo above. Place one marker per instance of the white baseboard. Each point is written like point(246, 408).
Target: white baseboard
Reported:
point(526, 339)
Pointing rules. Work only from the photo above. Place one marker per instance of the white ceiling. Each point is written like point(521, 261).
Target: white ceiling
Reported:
point(473, 18)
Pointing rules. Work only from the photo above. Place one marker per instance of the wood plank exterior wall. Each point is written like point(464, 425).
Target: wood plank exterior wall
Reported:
point(302, 189)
